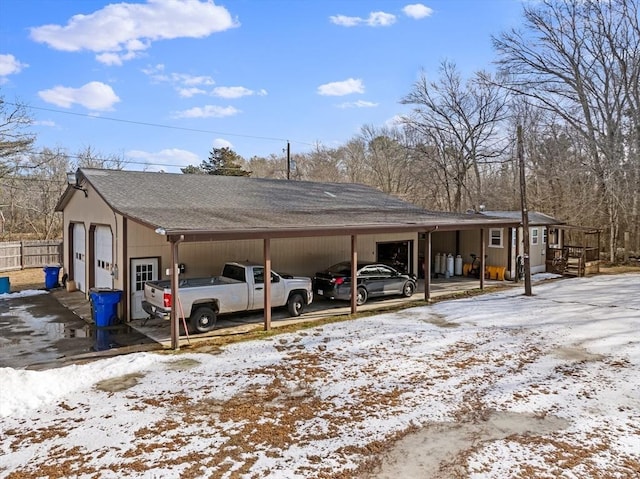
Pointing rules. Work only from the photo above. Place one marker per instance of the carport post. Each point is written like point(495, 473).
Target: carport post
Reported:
point(354, 273)
point(427, 267)
point(175, 324)
point(482, 260)
point(267, 284)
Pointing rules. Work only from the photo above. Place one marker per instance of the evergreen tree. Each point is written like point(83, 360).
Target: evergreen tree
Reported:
point(224, 162)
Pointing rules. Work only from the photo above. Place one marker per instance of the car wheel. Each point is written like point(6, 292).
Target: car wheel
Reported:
point(295, 304)
point(362, 296)
point(203, 320)
point(408, 289)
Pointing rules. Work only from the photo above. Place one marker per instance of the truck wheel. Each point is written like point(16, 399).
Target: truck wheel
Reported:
point(295, 304)
point(203, 320)
point(362, 296)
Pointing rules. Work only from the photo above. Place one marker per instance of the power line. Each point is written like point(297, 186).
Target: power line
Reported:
point(158, 125)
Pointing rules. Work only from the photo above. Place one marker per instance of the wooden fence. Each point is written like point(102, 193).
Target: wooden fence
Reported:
point(29, 254)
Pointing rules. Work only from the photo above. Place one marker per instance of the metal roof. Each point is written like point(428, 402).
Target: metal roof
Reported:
point(202, 207)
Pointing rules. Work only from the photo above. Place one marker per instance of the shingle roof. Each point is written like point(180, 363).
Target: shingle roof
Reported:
point(183, 204)
point(535, 218)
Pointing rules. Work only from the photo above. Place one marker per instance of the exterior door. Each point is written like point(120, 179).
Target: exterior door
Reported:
point(79, 252)
point(103, 257)
point(142, 269)
point(277, 290)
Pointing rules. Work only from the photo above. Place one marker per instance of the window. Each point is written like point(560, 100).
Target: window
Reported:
point(495, 238)
point(534, 236)
point(545, 234)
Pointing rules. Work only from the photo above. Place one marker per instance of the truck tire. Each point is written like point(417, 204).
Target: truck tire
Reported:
point(203, 320)
point(295, 304)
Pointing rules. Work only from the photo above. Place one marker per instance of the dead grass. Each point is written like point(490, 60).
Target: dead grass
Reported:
point(20, 280)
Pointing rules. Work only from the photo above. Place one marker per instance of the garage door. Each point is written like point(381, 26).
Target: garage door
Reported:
point(104, 257)
point(79, 251)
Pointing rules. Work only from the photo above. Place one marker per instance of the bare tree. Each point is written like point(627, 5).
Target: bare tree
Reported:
point(390, 160)
point(579, 59)
point(273, 166)
point(89, 158)
point(31, 194)
point(460, 122)
point(15, 141)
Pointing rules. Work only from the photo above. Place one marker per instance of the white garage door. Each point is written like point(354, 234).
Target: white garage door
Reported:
point(104, 257)
point(79, 251)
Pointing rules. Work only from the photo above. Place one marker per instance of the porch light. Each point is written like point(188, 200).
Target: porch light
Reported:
point(72, 180)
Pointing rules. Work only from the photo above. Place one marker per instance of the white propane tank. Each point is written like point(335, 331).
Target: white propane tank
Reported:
point(450, 265)
point(443, 263)
point(458, 265)
point(436, 264)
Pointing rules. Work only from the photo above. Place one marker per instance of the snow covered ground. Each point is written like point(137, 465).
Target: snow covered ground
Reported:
point(494, 386)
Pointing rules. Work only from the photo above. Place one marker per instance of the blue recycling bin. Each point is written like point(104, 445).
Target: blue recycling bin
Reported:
point(5, 285)
point(51, 274)
point(104, 306)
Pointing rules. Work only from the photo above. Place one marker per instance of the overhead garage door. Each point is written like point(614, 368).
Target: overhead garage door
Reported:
point(104, 257)
point(79, 251)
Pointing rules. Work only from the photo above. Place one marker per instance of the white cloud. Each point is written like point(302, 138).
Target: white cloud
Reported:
point(221, 143)
point(394, 121)
point(235, 92)
point(341, 88)
point(358, 104)
point(94, 96)
point(48, 123)
point(121, 31)
point(381, 19)
point(165, 160)
point(9, 65)
point(207, 111)
point(417, 11)
point(190, 92)
point(375, 19)
point(345, 21)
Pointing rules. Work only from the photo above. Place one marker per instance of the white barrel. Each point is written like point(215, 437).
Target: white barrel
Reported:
point(458, 270)
point(436, 264)
point(450, 265)
point(443, 263)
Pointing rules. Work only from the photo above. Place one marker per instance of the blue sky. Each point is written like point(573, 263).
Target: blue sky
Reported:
point(163, 81)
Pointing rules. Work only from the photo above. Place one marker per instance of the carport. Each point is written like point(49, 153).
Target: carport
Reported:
point(176, 237)
point(145, 211)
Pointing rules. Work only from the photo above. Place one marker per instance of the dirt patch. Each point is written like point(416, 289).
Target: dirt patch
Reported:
point(441, 450)
point(23, 279)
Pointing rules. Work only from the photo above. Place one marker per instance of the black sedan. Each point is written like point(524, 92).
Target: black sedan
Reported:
point(374, 280)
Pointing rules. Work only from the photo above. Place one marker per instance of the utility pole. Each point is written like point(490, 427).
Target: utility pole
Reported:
point(288, 160)
point(525, 216)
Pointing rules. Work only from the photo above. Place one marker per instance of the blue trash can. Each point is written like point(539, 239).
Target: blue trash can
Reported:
point(5, 285)
point(104, 306)
point(51, 274)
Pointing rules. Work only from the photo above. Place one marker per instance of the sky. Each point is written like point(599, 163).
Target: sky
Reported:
point(159, 83)
point(497, 385)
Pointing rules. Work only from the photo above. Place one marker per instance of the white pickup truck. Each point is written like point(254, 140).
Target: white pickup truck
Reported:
point(239, 288)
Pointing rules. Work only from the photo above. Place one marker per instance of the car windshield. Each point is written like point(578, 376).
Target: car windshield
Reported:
point(340, 268)
point(344, 268)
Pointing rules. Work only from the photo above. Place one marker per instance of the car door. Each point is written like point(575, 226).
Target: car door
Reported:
point(392, 281)
point(370, 278)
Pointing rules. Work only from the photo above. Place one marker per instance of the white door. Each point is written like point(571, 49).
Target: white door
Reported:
point(79, 251)
point(103, 257)
point(143, 269)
